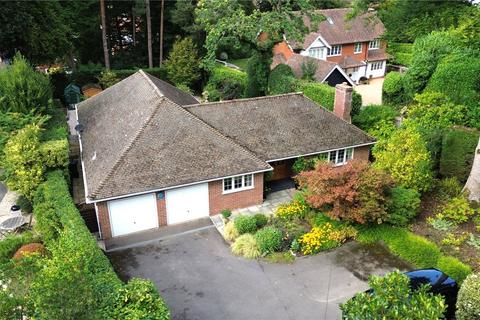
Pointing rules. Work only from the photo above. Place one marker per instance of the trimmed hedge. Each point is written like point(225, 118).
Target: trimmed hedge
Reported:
point(225, 84)
point(324, 95)
point(78, 268)
point(372, 115)
point(458, 150)
point(418, 251)
point(393, 89)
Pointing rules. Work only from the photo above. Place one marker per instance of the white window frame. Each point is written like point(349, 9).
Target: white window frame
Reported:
point(336, 49)
point(232, 181)
point(316, 52)
point(355, 49)
point(377, 65)
point(374, 45)
point(344, 160)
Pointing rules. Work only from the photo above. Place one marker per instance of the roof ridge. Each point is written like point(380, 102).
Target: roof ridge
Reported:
point(214, 130)
point(242, 99)
point(127, 149)
point(349, 123)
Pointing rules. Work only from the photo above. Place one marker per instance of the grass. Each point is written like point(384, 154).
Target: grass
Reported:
point(414, 249)
point(280, 257)
point(241, 63)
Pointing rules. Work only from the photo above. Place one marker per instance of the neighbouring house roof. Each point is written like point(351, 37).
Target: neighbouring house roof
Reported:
point(323, 68)
point(377, 55)
point(136, 139)
point(350, 62)
point(337, 29)
point(283, 126)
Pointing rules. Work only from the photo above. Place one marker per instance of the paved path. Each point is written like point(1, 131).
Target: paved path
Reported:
point(200, 278)
point(371, 93)
point(3, 191)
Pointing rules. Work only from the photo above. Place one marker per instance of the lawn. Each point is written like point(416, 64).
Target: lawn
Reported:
point(241, 63)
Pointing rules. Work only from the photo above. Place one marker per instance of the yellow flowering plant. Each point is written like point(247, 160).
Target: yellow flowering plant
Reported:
point(325, 237)
point(294, 209)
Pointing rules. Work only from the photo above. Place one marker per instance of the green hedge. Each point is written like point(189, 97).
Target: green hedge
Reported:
point(11, 243)
point(393, 90)
point(468, 302)
point(225, 83)
point(372, 115)
point(458, 149)
point(324, 95)
point(78, 281)
point(418, 251)
point(402, 53)
point(281, 80)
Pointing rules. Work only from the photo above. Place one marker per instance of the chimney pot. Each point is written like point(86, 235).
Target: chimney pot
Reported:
point(343, 101)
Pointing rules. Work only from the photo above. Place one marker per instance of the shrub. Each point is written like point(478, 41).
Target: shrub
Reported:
point(245, 224)
point(393, 299)
point(288, 211)
point(281, 80)
point(11, 243)
point(468, 301)
point(23, 162)
point(325, 237)
point(25, 204)
point(449, 188)
point(405, 157)
point(353, 192)
point(139, 299)
point(225, 84)
point(269, 239)
point(23, 89)
point(403, 206)
point(303, 164)
point(309, 68)
point(230, 233)
point(291, 230)
point(107, 78)
point(371, 115)
point(261, 220)
point(183, 63)
point(29, 249)
point(440, 224)
point(457, 210)
point(258, 69)
point(55, 153)
point(246, 245)
point(393, 90)
point(453, 267)
point(458, 148)
point(226, 213)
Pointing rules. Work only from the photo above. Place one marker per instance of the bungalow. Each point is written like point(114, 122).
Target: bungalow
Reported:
point(153, 156)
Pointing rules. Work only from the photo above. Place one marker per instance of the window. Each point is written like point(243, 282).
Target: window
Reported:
point(358, 47)
point(376, 65)
point(375, 44)
point(335, 51)
point(316, 52)
point(238, 183)
point(340, 157)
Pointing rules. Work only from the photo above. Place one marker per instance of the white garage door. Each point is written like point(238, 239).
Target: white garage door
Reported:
point(133, 214)
point(187, 203)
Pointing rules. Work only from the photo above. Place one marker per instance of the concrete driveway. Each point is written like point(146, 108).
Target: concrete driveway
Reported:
point(371, 93)
point(200, 279)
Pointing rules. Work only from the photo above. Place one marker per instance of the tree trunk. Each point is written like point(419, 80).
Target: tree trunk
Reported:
point(473, 183)
point(149, 34)
point(161, 33)
point(134, 25)
point(104, 35)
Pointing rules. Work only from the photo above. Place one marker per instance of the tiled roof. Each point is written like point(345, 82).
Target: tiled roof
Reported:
point(350, 62)
point(337, 29)
point(280, 126)
point(323, 68)
point(135, 139)
point(378, 54)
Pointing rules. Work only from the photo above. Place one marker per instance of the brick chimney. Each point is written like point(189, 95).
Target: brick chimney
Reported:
point(342, 105)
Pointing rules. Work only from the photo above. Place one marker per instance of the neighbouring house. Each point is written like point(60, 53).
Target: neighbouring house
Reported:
point(354, 44)
point(153, 156)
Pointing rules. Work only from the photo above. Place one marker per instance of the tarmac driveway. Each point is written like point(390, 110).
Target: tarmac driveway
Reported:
point(200, 279)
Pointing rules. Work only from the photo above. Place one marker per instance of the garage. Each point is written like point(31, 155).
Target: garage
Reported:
point(187, 203)
point(133, 214)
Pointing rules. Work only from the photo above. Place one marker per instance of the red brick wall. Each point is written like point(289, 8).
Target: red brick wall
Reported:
point(104, 220)
point(361, 153)
point(282, 47)
point(347, 50)
point(161, 211)
point(235, 200)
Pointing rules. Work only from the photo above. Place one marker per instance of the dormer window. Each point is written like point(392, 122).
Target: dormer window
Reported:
point(335, 51)
point(375, 44)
